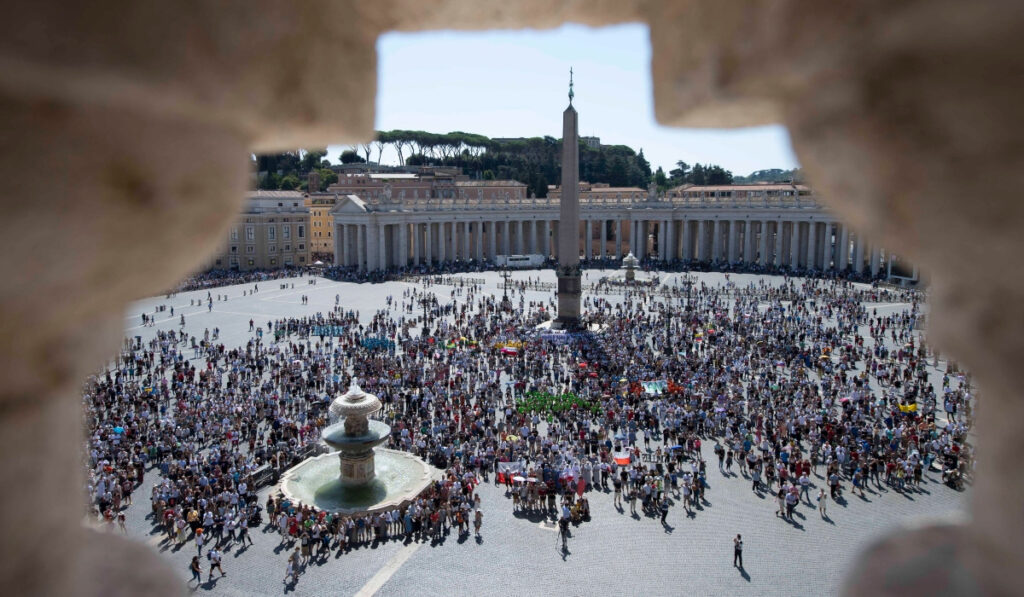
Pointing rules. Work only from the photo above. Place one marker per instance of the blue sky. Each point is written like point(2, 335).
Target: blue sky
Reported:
point(514, 84)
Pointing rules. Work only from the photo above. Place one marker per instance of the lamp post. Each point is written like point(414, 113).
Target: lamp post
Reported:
point(426, 328)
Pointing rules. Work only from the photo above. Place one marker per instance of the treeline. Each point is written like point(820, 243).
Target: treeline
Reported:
point(534, 161)
point(289, 171)
point(795, 176)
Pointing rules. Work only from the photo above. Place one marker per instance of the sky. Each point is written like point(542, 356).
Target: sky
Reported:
point(515, 84)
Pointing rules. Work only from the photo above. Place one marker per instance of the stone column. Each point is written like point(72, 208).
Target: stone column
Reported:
point(701, 252)
point(826, 247)
point(465, 241)
point(602, 252)
point(843, 256)
point(794, 246)
point(764, 242)
point(506, 237)
point(716, 242)
point(687, 238)
point(749, 238)
point(403, 244)
point(428, 242)
point(876, 255)
point(455, 243)
point(382, 246)
point(492, 240)
point(546, 237)
point(779, 260)
point(618, 238)
point(858, 253)
point(361, 247)
point(812, 237)
point(588, 235)
point(478, 237)
point(417, 240)
point(732, 241)
point(670, 240)
point(442, 241)
point(372, 246)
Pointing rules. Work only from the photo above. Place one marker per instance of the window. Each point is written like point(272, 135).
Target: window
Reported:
point(295, 204)
point(302, 247)
point(302, 231)
point(233, 261)
point(287, 260)
point(250, 233)
point(272, 249)
point(302, 259)
point(287, 247)
point(234, 249)
point(250, 249)
point(251, 262)
point(218, 262)
point(234, 234)
point(273, 261)
point(286, 232)
point(272, 233)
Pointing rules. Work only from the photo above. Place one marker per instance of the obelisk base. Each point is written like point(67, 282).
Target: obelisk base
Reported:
point(570, 291)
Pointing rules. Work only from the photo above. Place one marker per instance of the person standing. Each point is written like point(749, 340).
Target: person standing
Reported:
point(737, 551)
point(822, 499)
point(478, 520)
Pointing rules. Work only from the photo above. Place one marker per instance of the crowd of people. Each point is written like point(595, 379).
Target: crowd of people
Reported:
point(793, 382)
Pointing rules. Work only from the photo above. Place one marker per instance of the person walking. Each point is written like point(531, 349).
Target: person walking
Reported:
point(197, 570)
point(214, 556)
point(737, 551)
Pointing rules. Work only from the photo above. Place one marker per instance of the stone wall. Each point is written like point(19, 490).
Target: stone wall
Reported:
point(140, 117)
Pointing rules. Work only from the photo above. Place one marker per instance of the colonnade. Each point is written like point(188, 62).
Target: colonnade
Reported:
point(372, 241)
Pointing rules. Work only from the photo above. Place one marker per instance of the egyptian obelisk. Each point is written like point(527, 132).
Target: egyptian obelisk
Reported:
point(569, 284)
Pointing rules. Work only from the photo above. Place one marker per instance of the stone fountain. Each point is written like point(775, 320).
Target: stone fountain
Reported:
point(368, 478)
point(354, 436)
point(629, 265)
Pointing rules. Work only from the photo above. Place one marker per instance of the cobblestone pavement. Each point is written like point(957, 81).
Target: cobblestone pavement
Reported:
point(614, 553)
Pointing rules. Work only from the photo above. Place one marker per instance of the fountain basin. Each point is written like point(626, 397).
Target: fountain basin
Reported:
point(336, 436)
point(400, 478)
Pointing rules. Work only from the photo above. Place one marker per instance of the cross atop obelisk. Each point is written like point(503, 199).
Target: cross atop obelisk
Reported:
point(569, 283)
point(571, 94)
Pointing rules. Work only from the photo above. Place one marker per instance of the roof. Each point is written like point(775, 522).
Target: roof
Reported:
point(262, 194)
point(488, 183)
point(741, 187)
point(392, 175)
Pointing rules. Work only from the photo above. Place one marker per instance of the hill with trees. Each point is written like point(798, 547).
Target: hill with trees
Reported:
point(534, 161)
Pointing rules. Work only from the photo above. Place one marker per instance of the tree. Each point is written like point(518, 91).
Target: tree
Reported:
point(327, 178)
point(350, 157)
point(660, 179)
point(290, 182)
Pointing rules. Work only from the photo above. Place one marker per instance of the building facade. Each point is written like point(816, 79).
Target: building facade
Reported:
point(780, 225)
point(271, 232)
point(321, 226)
point(420, 191)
